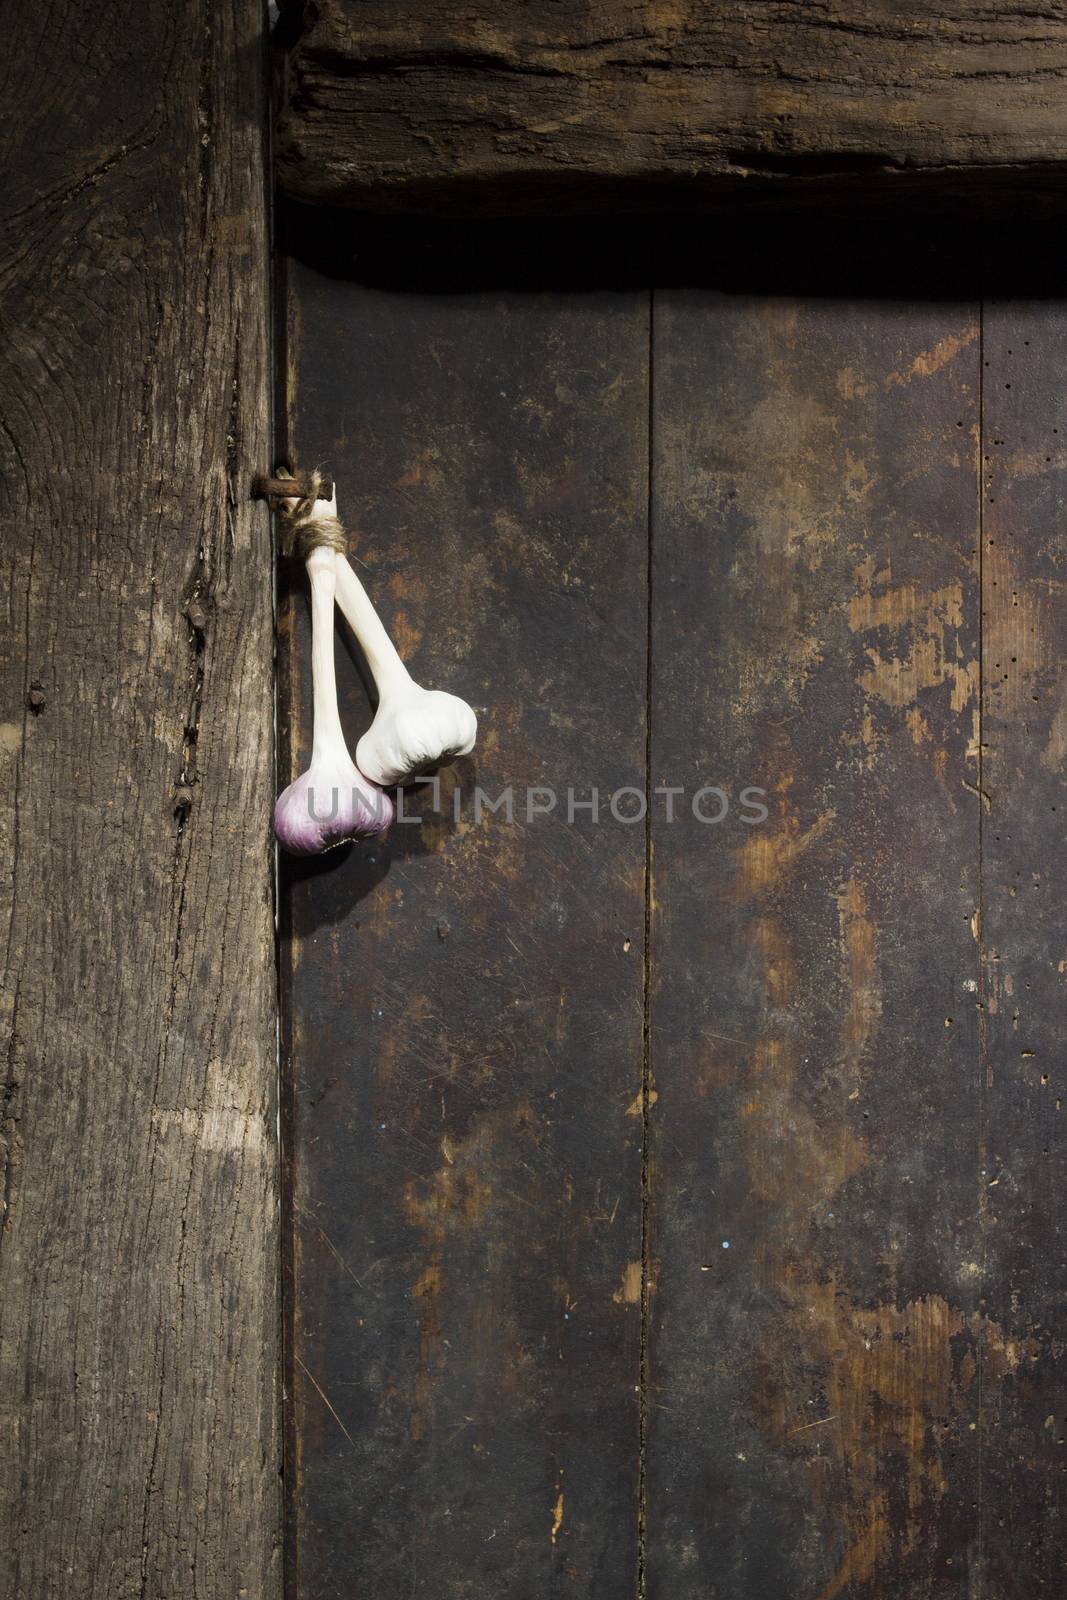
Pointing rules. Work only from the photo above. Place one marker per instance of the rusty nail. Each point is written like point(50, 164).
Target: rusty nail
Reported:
point(265, 487)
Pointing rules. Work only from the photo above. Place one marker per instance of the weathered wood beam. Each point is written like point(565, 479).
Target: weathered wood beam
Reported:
point(138, 1243)
point(425, 105)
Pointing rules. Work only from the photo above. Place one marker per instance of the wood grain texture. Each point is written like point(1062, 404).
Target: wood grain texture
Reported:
point(464, 1011)
point(1024, 945)
point(138, 1280)
point(540, 106)
point(851, 1284)
point(813, 1407)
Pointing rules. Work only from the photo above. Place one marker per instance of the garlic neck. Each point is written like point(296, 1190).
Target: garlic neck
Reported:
point(390, 675)
point(328, 740)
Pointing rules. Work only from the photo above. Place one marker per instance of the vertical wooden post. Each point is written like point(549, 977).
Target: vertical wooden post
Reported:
point(138, 1159)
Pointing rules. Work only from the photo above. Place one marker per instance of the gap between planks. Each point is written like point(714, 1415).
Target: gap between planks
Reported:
point(646, 1028)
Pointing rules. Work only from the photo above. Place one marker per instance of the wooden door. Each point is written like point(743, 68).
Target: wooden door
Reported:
point(672, 1201)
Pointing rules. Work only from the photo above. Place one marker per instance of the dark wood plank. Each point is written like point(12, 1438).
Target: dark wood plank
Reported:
point(464, 1002)
point(420, 104)
point(138, 1280)
point(1024, 865)
point(815, 1312)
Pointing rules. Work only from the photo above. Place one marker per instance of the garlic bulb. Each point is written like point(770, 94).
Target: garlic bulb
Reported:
point(414, 729)
point(332, 801)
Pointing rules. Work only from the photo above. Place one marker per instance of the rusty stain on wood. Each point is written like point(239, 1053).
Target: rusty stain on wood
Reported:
point(629, 1291)
point(557, 1516)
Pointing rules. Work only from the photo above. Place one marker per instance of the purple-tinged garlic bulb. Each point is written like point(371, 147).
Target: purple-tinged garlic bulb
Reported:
point(414, 729)
point(332, 802)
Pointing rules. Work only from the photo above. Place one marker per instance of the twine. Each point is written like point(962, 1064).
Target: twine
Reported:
point(305, 526)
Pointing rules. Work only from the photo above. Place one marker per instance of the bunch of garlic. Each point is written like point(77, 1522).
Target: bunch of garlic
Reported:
point(413, 731)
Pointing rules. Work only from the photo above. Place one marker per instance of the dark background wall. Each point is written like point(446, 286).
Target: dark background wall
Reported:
point(674, 1207)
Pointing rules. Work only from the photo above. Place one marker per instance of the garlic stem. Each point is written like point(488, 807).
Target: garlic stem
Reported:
point(414, 729)
point(383, 658)
point(327, 738)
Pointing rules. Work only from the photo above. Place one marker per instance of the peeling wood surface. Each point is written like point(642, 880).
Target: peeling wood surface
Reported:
point(465, 999)
point(138, 1282)
point(842, 1241)
point(536, 106)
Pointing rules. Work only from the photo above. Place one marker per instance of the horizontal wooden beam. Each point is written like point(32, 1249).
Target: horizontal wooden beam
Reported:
point(501, 106)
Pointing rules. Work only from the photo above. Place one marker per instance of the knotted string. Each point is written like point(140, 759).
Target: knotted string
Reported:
point(306, 526)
